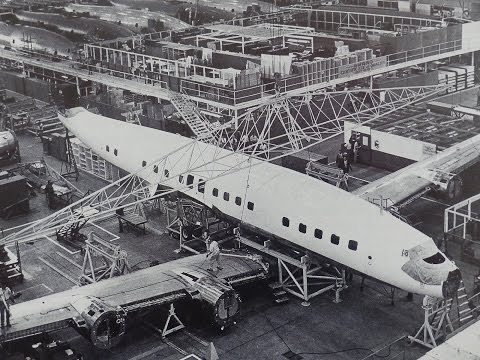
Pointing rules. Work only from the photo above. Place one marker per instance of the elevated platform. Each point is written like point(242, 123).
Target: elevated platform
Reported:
point(231, 99)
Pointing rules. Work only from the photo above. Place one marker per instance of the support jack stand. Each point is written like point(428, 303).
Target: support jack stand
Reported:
point(171, 314)
point(436, 322)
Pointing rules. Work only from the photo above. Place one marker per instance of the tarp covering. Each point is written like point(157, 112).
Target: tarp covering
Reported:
point(420, 270)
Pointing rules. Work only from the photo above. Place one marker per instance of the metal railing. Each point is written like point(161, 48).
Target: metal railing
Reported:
point(227, 95)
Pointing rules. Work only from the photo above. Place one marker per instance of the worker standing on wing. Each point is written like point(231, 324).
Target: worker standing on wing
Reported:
point(5, 299)
point(214, 255)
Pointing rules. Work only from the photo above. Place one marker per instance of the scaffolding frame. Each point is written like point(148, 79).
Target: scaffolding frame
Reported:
point(436, 322)
point(114, 260)
point(457, 220)
point(302, 278)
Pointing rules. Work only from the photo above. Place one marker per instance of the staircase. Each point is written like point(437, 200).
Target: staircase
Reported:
point(280, 296)
point(200, 126)
point(67, 231)
point(463, 309)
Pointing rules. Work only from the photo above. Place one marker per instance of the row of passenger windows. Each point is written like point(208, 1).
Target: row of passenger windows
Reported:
point(115, 151)
point(334, 239)
point(238, 199)
point(201, 189)
point(201, 185)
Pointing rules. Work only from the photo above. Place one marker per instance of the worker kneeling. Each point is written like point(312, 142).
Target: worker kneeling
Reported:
point(214, 255)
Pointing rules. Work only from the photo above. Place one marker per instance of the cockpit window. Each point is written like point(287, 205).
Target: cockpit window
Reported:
point(438, 258)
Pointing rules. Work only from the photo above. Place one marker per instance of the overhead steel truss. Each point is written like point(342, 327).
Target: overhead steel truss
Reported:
point(300, 130)
point(289, 123)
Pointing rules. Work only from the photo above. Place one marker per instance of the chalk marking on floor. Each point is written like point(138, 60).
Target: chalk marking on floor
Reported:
point(35, 286)
point(66, 258)
point(149, 352)
point(53, 267)
point(157, 332)
point(61, 246)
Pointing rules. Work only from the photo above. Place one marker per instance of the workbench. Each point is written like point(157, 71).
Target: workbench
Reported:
point(132, 220)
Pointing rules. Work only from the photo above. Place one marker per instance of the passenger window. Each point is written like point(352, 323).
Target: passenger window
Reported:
point(250, 205)
point(190, 180)
point(318, 233)
point(286, 222)
point(215, 192)
point(302, 228)
point(155, 169)
point(334, 239)
point(107, 148)
point(226, 196)
point(180, 179)
point(144, 163)
point(115, 152)
point(238, 201)
point(352, 245)
point(201, 186)
point(166, 173)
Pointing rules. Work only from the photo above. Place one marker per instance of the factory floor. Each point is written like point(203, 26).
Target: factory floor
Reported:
point(362, 322)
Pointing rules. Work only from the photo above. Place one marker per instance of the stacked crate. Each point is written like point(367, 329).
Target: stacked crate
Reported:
point(460, 76)
point(58, 146)
point(322, 70)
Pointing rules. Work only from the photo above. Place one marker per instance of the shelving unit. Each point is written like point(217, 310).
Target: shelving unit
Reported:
point(90, 162)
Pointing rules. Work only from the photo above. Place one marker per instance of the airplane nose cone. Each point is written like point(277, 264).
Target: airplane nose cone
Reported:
point(450, 286)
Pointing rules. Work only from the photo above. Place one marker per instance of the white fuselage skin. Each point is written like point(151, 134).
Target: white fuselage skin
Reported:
point(275, 192)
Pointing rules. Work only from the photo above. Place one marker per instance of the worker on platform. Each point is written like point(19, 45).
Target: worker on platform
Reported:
point(214, 255)
point(346, 167)
point(5, 300)
point(206, 238)
point(356, 149)
point(339, 159)
point(49, 194)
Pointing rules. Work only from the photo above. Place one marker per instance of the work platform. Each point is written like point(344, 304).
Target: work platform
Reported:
point(157, 285)
point(196, 80)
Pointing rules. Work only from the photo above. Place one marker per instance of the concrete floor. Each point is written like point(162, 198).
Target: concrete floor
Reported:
point(362, 322)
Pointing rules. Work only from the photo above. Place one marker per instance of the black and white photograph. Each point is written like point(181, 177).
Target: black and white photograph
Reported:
point(239, 179)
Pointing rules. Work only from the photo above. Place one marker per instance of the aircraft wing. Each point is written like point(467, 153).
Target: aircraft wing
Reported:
point(416, 179)
point(156, 284)
point(161, 284)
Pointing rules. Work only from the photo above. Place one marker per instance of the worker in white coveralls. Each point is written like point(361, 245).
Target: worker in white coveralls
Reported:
point(214, 255)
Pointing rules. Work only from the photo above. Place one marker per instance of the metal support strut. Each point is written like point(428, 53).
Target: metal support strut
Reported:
point(171, 314)
point(306, 280)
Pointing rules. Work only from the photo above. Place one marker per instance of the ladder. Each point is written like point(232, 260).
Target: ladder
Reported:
point(464, 311)
point(71, 168)
point(197, 123)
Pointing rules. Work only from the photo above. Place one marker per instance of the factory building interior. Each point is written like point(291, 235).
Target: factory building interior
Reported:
point(234, 180)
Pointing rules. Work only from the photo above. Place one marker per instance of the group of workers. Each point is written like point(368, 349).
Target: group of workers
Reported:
point(348, 153)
